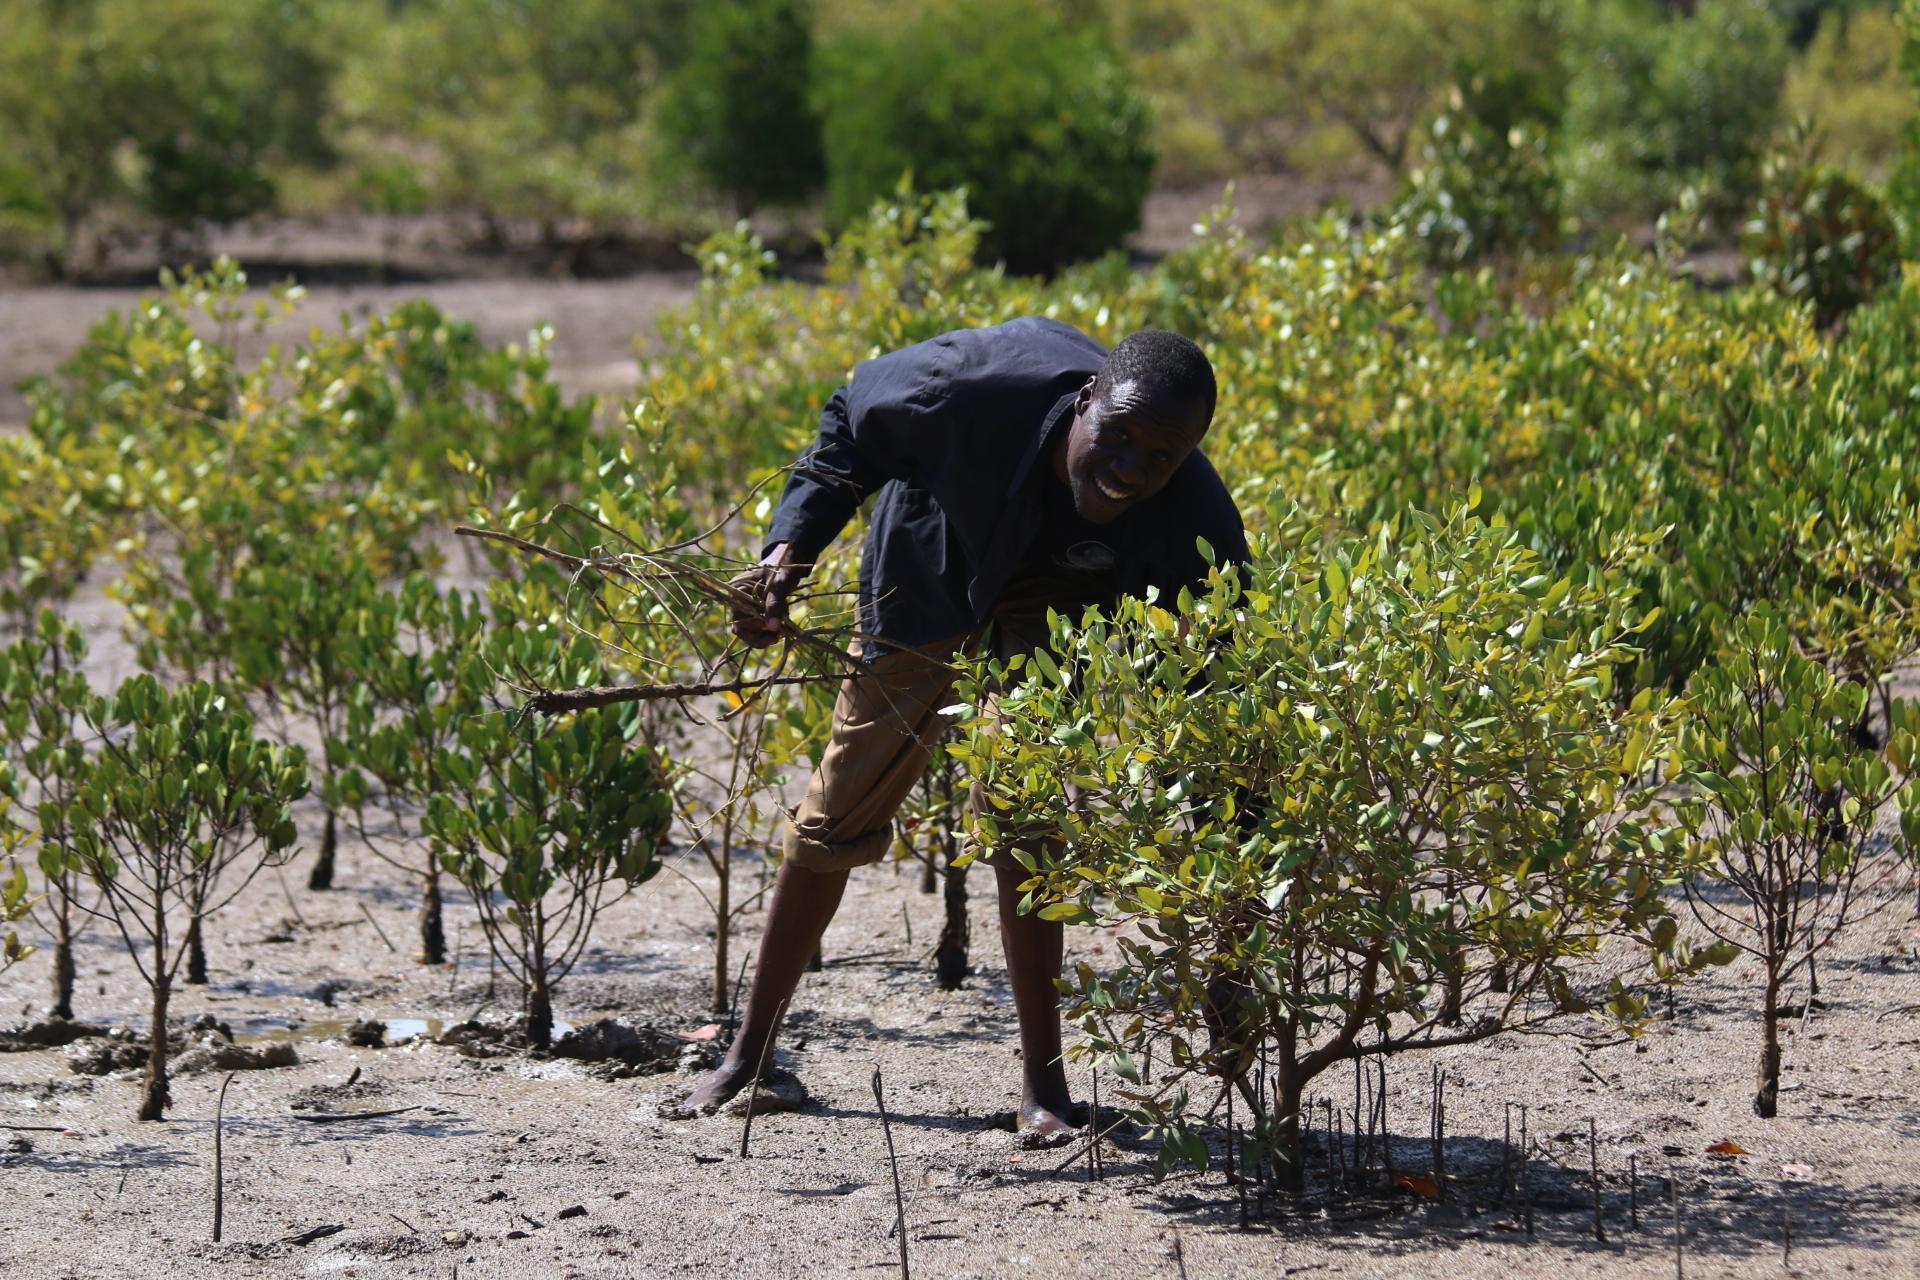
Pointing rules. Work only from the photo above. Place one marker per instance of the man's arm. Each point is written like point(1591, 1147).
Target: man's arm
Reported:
point(867, 437)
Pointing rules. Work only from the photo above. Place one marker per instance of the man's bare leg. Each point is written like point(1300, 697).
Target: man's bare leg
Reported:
point(1034, 949)
point(803, 903)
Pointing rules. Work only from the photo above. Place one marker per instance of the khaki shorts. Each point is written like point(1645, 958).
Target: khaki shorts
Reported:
point(884, 727)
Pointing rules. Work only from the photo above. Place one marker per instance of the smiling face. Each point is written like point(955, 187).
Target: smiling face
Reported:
point(1123, 448)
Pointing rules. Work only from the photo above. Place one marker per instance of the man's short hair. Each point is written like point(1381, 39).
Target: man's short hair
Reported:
point(1168, 368)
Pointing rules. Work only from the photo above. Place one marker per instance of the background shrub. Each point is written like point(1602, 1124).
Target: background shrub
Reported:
point(739, 108)
point(180, 110)
point(1848, 84)
point(512, 109)
point(1039, 120)
point(1659, 100)
point(1817, 234)
point(1481, 190)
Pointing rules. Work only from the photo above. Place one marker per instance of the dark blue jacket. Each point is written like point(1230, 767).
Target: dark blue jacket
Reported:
point(954, 434)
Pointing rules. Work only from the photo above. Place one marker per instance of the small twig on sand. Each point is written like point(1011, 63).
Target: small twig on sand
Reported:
point(403, 1222)
point(316, 1233)
point(1633, 1190)
point(1179, 1256)
point(1679, 1233)
point(1078, 1154)
point(1526, 1177)
point(1593, 1164)
point(219, 1169)
point(753, 1088)
point(34, 1128)
point(1506, 1153)
point(858, 957)
point(1093, 1130)
point(289, 896)
point(893, 1162)
point(376, 927)
point(333, 1117)
point(733, 1008)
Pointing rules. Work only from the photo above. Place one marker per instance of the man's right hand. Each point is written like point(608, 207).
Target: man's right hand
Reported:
point(768, 586)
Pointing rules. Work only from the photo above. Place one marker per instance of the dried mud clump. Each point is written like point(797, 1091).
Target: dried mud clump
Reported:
point(216, 1055)
point(49, 1033)
point(480, 1039)
point(331, 1097)
point(108, 1056)
point(368, 1033)
point(626, 1049)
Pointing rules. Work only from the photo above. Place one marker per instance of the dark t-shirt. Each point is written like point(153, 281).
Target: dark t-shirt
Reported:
point(1071, 562)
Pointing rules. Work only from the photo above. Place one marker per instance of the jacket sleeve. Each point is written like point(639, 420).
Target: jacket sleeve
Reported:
point(871, 431)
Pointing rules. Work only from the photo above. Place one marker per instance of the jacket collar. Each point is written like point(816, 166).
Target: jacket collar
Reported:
point(1043, 440)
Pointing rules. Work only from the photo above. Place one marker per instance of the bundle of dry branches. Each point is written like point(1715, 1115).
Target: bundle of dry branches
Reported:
point(668, 588)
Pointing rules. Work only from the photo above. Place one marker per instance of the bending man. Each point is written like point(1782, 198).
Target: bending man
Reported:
point(1018, 468)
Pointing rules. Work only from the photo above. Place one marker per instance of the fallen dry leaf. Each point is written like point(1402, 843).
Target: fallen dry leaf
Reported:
point(1013, 1159)
point(1419, 1185)
point(1726, 1149)
point(709, 1032)
point(1797, 1170)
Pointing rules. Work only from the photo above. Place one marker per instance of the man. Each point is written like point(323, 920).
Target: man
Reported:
point(1018, 467)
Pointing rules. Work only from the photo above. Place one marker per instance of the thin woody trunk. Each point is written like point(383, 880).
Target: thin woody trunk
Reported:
point(63, 966)
point(1456, 976)
point(1288, 1088)
point(950, 957)
point(155, 1099)
point(1766, 1100)
point(433, 932)
point(196, 955)
point(539, 1011)
point(722, 931)
point(321, 877)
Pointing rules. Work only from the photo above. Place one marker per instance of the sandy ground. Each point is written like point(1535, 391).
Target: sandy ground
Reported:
point(596, 322)
point(474, 1180)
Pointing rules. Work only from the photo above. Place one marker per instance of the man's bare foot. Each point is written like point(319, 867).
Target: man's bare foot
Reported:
point(1048, 1124)
point(713, 1093)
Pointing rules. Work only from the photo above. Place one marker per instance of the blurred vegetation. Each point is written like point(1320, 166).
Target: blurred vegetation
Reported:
point(574, 121)
point(761, 147)
point(1055, 158)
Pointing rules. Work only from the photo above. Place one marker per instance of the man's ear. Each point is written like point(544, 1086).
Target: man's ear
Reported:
point(1084, 397)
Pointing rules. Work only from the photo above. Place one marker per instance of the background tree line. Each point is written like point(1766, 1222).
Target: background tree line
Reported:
point(585, 118)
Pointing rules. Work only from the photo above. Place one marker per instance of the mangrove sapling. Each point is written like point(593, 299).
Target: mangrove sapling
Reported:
point(1781, 799)
point(1275, 790)
point(302, 624)
point(720, 809)
point(404, 711)
point(42, 693)
point(546, 822)
point(654, 589)
point(176, 809)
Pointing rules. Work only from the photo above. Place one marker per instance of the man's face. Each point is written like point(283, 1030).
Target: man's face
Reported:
point(1122, 449)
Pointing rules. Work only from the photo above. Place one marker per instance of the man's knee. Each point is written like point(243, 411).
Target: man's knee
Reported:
point(815, 847)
